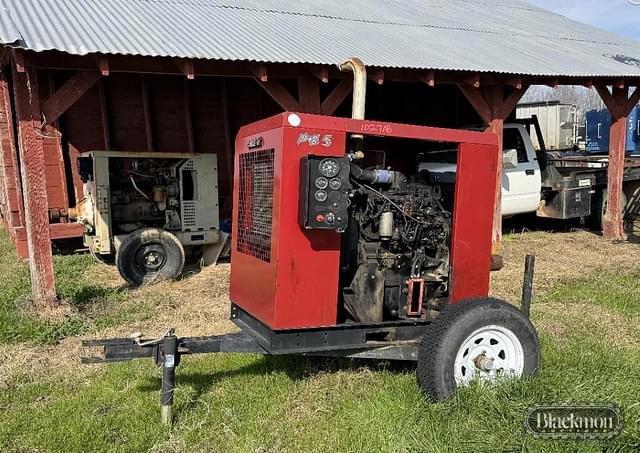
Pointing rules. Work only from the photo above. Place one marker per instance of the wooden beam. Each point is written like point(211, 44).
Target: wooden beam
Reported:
point(515, 82)
point(148, 127)
point(610, 100)
point(309, 94)
point(103, 65)
point(279, 94)
point(430, 78)
point(337, 97)
point(259, 70)
point(472, 80)
point(18, 58)
point(478, 102)
point(54, 107)
point(186, 66)
point(104, 115)
point(510, 102)
point(9, 149)
point(228, 139)
point(188, 116)
point(377, 76)
point(321, 73)
point(34, 186)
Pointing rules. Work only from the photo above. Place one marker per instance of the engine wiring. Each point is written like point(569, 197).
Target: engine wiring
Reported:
point(135, 186)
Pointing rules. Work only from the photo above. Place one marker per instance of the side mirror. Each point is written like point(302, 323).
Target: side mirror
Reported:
point(510, 158)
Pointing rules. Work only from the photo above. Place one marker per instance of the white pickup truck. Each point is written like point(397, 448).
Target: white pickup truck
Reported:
point(548, 184)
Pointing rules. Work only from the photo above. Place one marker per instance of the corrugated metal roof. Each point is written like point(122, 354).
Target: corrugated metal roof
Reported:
point(477, 35)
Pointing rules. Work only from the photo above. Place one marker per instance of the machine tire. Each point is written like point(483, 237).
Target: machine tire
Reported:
point(454, 329)
point(150, 255)
point(599, 207)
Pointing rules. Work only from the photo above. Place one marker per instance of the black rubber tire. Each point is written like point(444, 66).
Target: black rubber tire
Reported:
point(130, 259)
point(446, 334)
point(599, 207)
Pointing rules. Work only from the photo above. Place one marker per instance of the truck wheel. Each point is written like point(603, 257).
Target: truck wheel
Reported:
point(482, 338)
point(599, 208)
point(150, 255)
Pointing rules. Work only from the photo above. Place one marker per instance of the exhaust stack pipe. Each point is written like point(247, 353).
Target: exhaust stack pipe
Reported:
point(359, 70)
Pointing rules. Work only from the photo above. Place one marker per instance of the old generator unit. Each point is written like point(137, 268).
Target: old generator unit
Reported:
point(147, 211)
point(341, 247)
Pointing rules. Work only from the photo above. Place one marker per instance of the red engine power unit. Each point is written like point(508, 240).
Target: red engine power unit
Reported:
point(321, 240)
point(344, 246)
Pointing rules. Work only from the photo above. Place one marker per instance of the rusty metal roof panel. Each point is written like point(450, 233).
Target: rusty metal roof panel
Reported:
point(505, 36)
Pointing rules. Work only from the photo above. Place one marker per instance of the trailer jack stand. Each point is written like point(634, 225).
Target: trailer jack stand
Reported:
point(167, 357)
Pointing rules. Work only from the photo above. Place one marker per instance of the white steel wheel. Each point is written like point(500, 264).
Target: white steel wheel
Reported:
point(489, 353)
point(482, 338)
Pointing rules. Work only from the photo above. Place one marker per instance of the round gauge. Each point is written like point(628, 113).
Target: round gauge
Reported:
point(335, 184)
point(321, 196)
point(322, 183)
point(329, 168)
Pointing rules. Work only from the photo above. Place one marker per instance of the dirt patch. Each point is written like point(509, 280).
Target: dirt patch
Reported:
point(559, 256)
point(23, 363)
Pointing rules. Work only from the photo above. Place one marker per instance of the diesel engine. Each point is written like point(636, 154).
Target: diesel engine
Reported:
point(395, 250)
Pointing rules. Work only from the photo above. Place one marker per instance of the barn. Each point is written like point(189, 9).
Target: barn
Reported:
point(185, 75)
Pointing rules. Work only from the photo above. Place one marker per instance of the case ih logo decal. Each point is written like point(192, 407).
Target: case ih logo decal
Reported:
point(315, 139)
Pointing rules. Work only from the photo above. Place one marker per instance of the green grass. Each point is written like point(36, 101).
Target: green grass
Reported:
point(252, 403)
point(618, 292)
point(74, 286)
point(249, 403)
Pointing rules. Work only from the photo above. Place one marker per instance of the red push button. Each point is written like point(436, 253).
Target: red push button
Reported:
point(320, 218)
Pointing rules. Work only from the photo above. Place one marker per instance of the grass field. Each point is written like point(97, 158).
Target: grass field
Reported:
point(586, 308)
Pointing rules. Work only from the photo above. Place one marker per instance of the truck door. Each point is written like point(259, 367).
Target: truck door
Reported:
point(520, 185)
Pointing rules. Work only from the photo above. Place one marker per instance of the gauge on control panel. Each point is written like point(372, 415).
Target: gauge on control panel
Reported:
point(321, 196)
point(322, 183)
point(335, 184)
point(329, 168)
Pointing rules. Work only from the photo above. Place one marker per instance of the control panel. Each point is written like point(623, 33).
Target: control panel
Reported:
point(324, 188)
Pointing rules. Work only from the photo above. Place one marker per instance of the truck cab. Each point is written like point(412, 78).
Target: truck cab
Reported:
point(521, 177)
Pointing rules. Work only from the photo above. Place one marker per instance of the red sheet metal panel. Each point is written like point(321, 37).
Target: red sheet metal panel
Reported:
point(285, 276)
point(472, 221)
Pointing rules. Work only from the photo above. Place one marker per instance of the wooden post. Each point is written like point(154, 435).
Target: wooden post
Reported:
point(34, 185)
point(10, 166)
point(494, 106)
point(620, 105)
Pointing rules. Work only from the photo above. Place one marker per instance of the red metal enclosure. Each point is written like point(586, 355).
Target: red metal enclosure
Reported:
point(286, 276)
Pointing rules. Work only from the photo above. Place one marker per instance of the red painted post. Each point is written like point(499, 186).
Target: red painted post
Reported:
point(497, 127)
point(613, 227)
point(34, 185)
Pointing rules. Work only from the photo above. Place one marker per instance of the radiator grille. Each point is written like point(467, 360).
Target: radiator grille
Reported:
point(255, 204)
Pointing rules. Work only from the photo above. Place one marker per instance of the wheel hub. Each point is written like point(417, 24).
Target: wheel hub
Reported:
point(487, 354)
point(151, 258)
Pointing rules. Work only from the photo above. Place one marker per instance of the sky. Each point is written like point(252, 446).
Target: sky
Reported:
point(617, 16)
